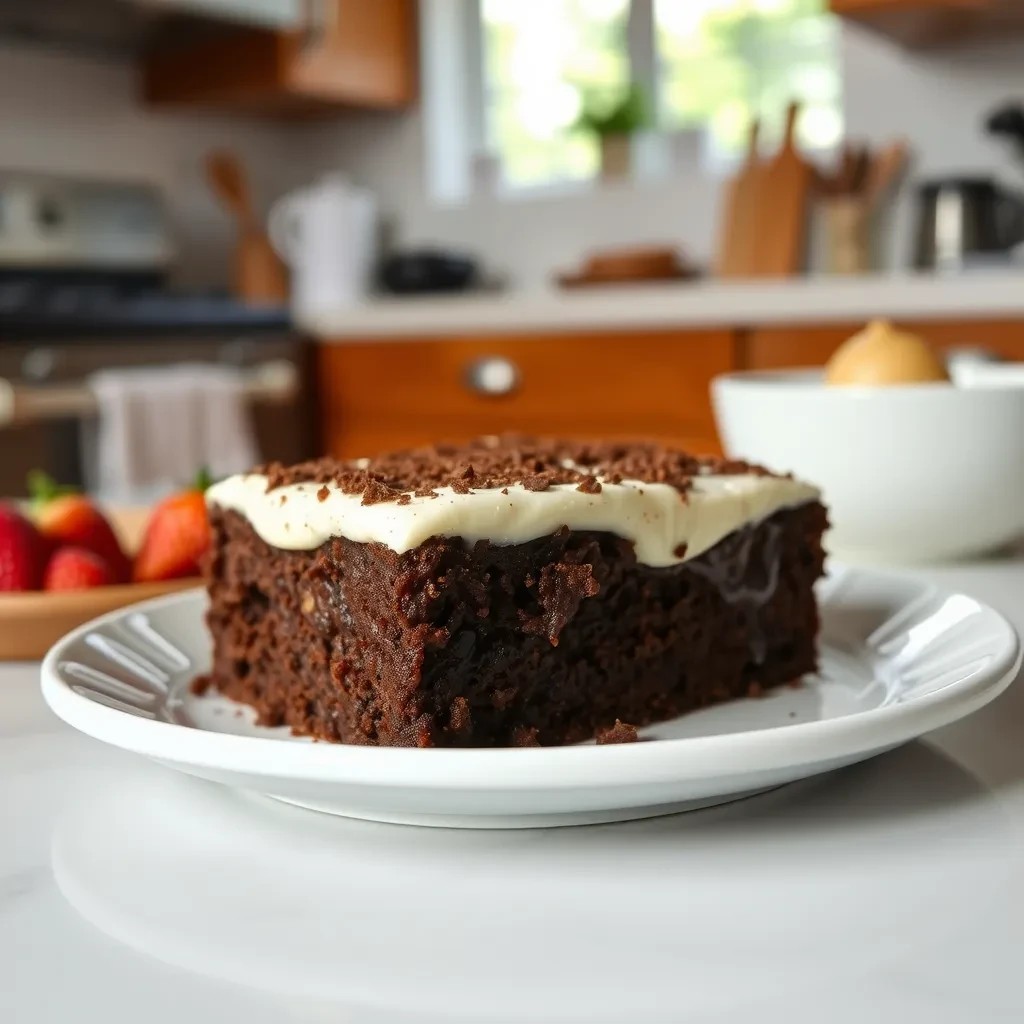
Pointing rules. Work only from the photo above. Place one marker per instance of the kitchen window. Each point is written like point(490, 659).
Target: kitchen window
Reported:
point(702, 64)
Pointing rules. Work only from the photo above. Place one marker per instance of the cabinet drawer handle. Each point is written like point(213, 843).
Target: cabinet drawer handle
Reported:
point(492, 375)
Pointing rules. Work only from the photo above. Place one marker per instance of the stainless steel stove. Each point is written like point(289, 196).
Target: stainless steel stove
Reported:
point(83, 286)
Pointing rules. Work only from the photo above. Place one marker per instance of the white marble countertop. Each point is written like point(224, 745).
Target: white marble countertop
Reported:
point(890, 891)
point(686, 305)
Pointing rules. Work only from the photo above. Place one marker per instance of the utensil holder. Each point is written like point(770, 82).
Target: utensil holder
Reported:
point(847, 222)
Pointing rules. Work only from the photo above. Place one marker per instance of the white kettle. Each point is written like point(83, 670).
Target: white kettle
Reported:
point(327, 234)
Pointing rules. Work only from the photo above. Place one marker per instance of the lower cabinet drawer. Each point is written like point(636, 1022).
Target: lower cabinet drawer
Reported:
point(386, 394)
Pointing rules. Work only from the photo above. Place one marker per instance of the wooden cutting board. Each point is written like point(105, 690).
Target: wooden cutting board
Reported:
point(784, 192)
point(739, 211)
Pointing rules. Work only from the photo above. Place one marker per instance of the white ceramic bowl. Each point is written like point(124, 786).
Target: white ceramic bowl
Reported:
point(916, 473)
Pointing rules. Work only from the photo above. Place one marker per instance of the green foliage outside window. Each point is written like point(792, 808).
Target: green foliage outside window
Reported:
point(551, 67)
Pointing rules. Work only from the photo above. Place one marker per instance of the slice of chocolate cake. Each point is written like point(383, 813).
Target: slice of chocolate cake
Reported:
point(509, 592)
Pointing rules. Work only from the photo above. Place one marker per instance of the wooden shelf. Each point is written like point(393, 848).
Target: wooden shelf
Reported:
point(366, 58)
point(924, 24)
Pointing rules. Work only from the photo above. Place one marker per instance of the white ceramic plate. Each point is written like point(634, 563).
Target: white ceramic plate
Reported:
point(898, 659)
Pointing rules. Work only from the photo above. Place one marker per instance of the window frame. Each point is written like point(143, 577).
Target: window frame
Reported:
point(452, 56)
point(642, 67)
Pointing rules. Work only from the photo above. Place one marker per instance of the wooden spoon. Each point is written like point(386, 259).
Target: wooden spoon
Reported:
point(228, 179)
point(885, 170)
point(259, 274)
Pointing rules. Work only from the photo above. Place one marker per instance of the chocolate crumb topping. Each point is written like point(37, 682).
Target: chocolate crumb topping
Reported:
point(375, 491)
point(504, 462)
point(620, 732)
point(525, 736)
point(538, 482)
point(323, 494)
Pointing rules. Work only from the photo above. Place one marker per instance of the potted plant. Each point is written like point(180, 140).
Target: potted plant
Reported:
point(614, 122)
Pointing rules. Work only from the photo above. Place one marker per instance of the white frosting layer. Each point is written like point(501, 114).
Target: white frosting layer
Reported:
point(655, 517)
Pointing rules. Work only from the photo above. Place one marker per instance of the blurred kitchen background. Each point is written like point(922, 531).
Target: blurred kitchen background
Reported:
point(235, 229)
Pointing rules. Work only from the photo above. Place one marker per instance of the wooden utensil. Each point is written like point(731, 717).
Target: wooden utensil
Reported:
point(259, 274)
point(227, 177)
point(850, 175)
point(852, 194)
point(782, 208)
point(856, 163)
point(885, 171)
point(740, 204)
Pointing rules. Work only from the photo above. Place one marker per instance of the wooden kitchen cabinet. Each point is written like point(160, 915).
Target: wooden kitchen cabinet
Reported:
point(361, 55)
point(929, 23)
point(382, 394)
point(781, 347)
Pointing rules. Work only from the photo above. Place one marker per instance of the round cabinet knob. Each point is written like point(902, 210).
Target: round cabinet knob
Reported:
point(492, 375)
point(237, 352)
point(39, 364)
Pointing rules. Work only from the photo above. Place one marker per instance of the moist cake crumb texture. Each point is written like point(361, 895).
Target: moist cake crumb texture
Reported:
point(620, 732)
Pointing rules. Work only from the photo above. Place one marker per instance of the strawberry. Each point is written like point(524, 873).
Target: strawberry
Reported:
point(73, 568)
point(177, 536)
point(22, 552)
point(72, 520)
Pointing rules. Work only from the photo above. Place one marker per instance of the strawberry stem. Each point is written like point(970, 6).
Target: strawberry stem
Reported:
point(43, 488)
point(204, 479)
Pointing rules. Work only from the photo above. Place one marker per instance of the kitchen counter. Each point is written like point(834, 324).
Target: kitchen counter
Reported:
point(888, 891)
point(689, 305)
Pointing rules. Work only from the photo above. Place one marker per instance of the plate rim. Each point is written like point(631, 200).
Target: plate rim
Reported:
point(613, 766)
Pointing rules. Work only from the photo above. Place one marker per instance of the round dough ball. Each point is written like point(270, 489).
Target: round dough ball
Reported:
point(880, 355)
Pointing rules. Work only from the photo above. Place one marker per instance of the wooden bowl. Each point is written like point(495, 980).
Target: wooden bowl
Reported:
point(632, 264)
point(624, 266)
point(31, 623)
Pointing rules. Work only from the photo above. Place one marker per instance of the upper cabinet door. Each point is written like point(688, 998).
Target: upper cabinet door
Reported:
point(934, 23)
point(345, 55)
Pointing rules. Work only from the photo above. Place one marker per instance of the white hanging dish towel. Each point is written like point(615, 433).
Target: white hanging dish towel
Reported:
point(159, 426)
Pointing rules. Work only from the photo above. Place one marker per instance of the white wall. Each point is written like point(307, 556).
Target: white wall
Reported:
point(522, 238)
point(81, 116)
point(937, 101)
point(940, 103)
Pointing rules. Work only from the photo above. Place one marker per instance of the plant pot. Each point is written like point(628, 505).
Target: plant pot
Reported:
point(616, 153)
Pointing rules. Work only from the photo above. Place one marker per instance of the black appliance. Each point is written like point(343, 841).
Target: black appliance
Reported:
point(965, 220)
point(427, 271)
